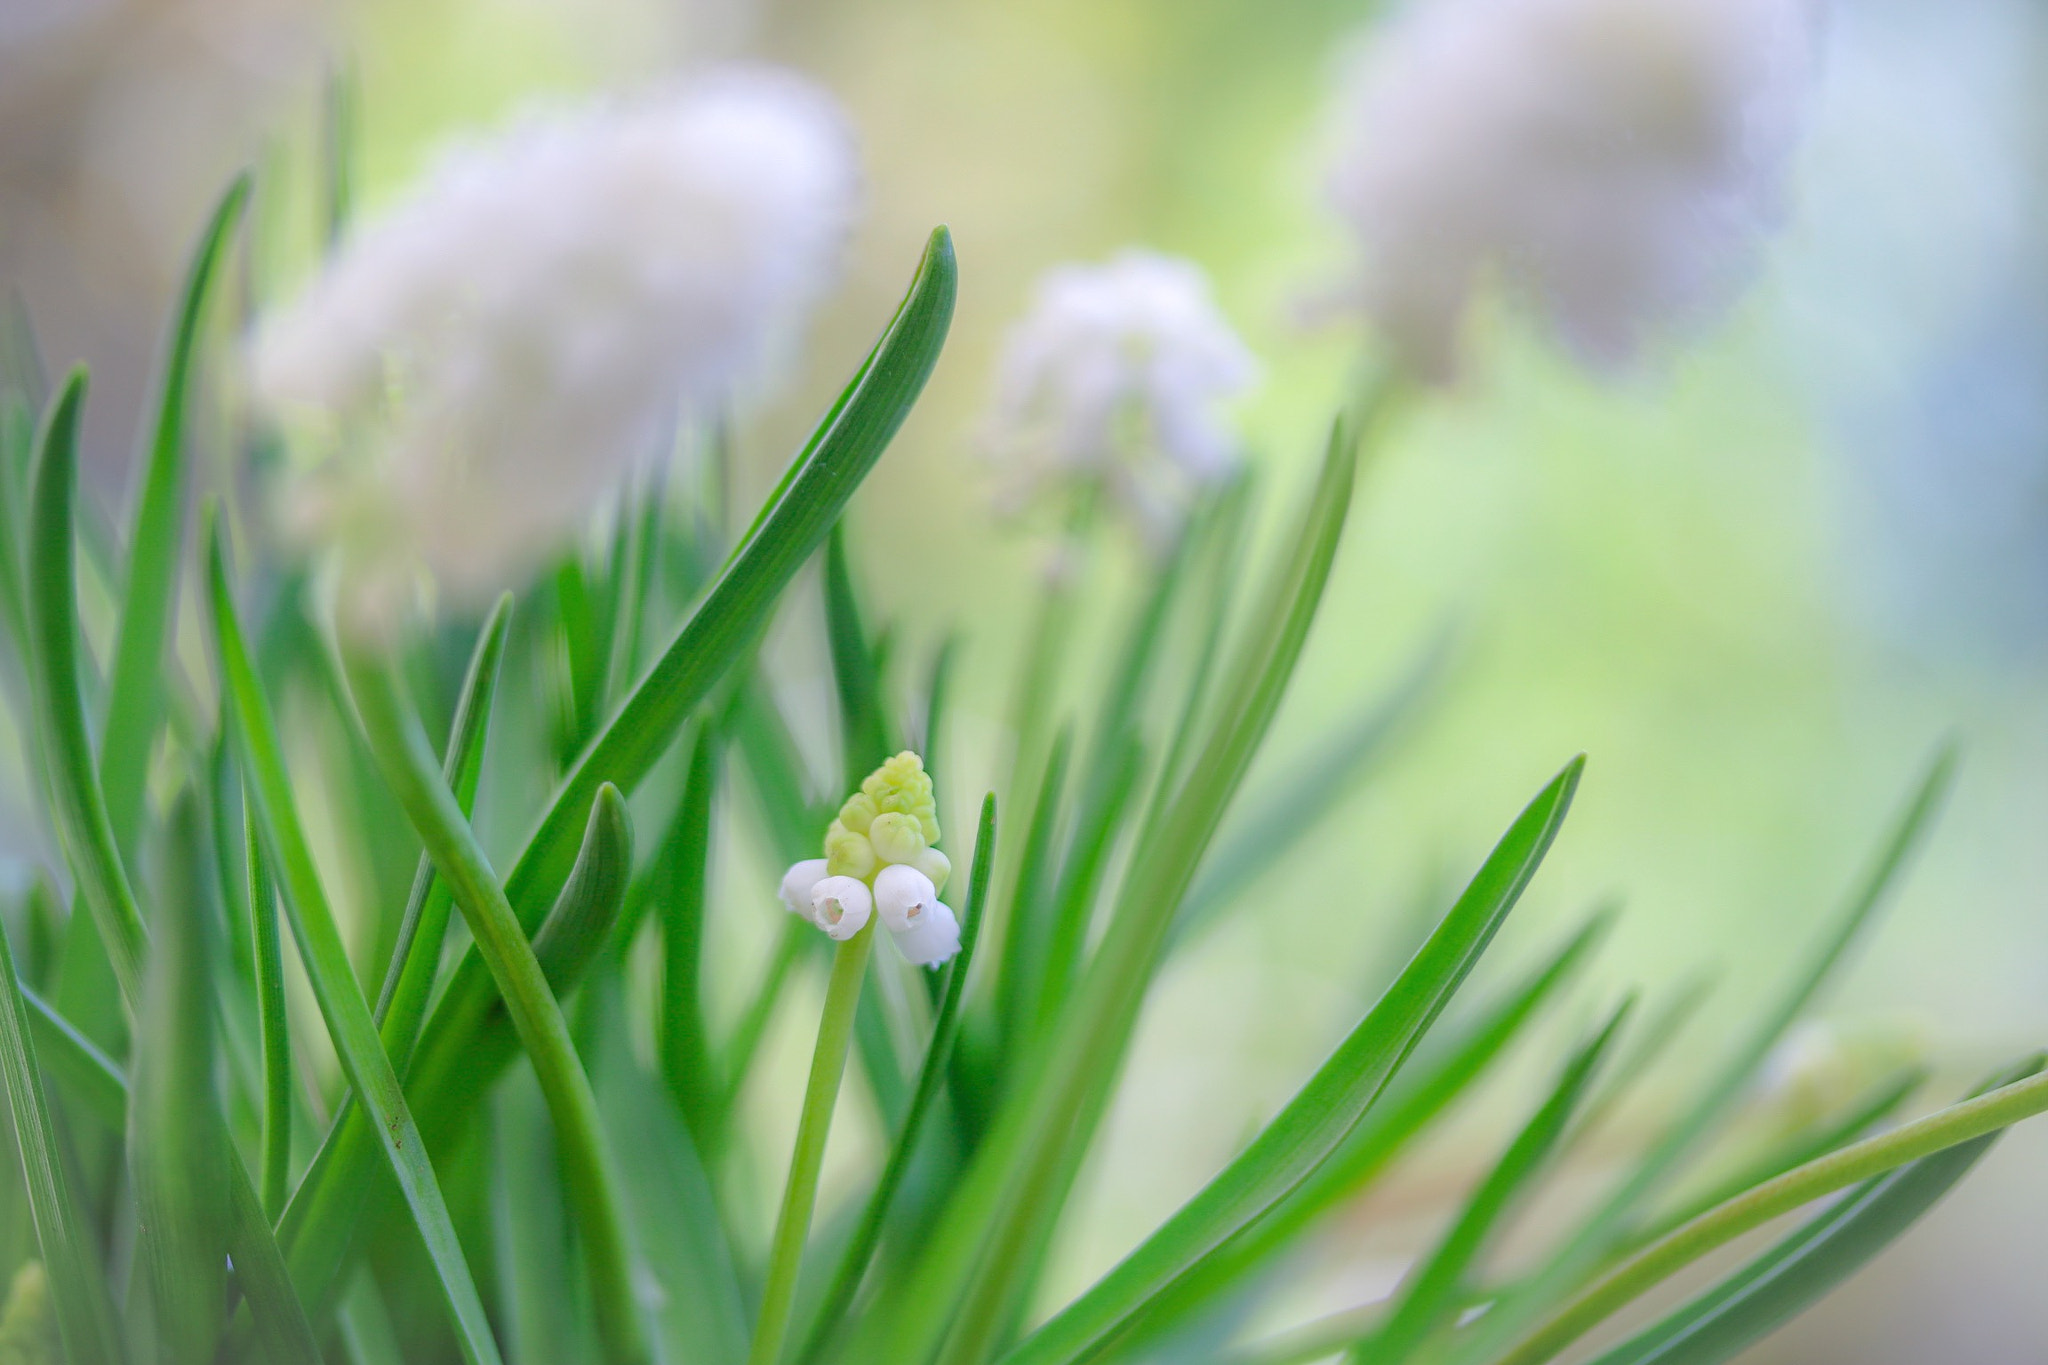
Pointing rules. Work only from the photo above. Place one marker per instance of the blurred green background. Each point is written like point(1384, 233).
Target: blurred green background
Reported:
point(1756, 579)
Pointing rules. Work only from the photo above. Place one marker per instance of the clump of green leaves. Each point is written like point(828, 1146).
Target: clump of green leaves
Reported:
point(502, 1165)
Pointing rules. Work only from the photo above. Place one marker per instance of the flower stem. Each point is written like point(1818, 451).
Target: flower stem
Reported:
point(828, 1068)
point(1774, 1198)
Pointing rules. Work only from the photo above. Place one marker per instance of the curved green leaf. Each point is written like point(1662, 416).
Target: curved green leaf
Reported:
point(85, 1310)
point(736, 606)
point(1319, 1117)
point(400, 744)
point(334, 985)
point(135, 685)
point(1784, 1281)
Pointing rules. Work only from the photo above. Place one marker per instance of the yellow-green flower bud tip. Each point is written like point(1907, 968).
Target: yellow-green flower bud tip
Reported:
point(858, 813)
point(848, 854)
point(903, 786)
point(896, 837)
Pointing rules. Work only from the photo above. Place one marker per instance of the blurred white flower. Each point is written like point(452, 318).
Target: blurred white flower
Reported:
point(1119, 373)
point(1612, 161)
point(492, 355)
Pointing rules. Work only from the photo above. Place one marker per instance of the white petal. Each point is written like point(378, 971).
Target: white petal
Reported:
point(798, 883)
point(932, 938)
point(841, 906)
point(902, 893)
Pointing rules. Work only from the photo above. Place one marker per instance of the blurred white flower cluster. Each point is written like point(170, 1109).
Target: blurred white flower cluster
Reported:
point(480, 366)
point(1119, 374)
point(1611, 161)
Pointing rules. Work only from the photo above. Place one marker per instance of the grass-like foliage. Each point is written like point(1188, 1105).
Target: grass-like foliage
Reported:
point(483, 1102)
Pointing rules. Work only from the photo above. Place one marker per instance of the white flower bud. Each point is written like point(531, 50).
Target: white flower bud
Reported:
point(841, 906)
point(902, 894)
point(798, 883)
point(932, 938)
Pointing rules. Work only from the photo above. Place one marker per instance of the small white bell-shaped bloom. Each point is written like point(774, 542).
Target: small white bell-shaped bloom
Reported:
point(841, 906)
point(932, 938)
point(922, 925)
point(798, 883)
point(902, 894)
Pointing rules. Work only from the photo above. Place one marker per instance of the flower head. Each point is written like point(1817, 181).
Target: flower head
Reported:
point(879, 857)
point(1612, 160)
point(481, 365)
point(1119, 373)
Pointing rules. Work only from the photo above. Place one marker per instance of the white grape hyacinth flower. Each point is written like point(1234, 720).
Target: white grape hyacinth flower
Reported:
point(1612, 162)
point(879, 856)
point(479, 367)
point(1119, 373)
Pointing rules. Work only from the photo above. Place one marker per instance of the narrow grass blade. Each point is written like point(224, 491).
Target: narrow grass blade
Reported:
point(699, 1315)
point(545, 1301)
point(1317, 1120)
point(867, 1234)
point(863, 718)
point(327, 967)
point(1428, 1298)
point(465, 1047)
point(272, 1022)
point(53, 614)
point(1277, 820)
point(416, 956)
point(931, 740)
point(1020, 1176)
point(1806, 1145)
point(86, 1074)
point(676, 885)
point(1027, 932)
point(1784, 1281)
point(400, 744)
point(85, 1310)
point(1607, 1226)
point(1445, 1069)
point(135, 683)
point(179, 1174)
point(1081, 875)
point(735, 608)
point(1852, 1165)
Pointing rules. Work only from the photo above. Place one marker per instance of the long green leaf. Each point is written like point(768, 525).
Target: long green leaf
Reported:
point(465, 1047)
point(736, 607)
point(102, 878)
point(340, 999)
point(1784, 1281)
point(85, 1310)
point(135, 683)
point(1852, 1165)
point(273, 1020)
point(1317, 1120)
point(1428, 1298)
point(400, 743)
point(1019, 1178)
point(53, 617)
point(87, 1074)
point(180, 1176)
point(1600, 1233)
point(867, 1234)
point(863, 719)
point(677, 888)
point(1444, 1069)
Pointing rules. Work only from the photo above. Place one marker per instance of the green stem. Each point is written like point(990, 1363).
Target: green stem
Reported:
point(1774, 1198)
point(400, 745)
point(276, 1145)
point(828, 1068)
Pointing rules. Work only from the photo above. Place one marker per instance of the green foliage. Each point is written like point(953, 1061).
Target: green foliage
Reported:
point(545, 1140)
